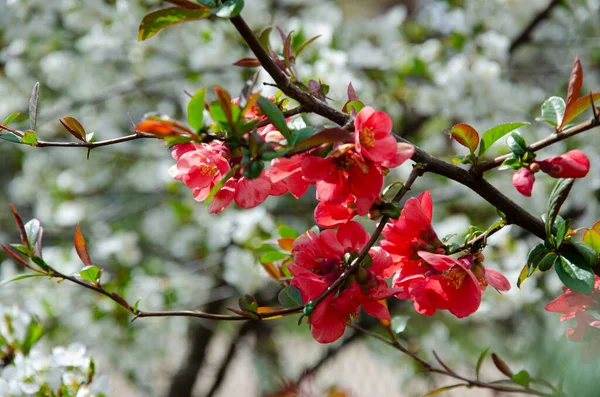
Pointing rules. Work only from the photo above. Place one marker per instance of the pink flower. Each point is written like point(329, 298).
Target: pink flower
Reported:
point(319, 261)
point(201, 166)
point(290, 171)
point(573, 164)
point(523, 181)
point(373, 139)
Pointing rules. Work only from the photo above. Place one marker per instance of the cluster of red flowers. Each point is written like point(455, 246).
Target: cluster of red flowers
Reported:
point(350, 178)
point(573, 164)
point(319, 259)
point(422, 272)
point(574, 305)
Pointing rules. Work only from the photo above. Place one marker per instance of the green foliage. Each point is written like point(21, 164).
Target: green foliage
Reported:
point(275, 115)
point(162, 19)
point(553, 110)
point(290, 296)
point(493, 134)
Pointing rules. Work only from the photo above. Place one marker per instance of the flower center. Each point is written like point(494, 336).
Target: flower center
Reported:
point(343, 162)
point(208, 170)
point(456, 276)
point(367, 137)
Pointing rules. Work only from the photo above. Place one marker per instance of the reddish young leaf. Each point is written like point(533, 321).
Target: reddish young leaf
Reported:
point(267, 309)
point(351, 93)
point(247, 63)
point(74, 127)
point(575, 81)
point(286, 244)
point(81, 247)
point(592, 238)
point(16, 257)
point(21, 227)
point(225, 101)
point(579, 106)
point(502, 366)
point(466, 136)
point(272, 271)
point(287, 50)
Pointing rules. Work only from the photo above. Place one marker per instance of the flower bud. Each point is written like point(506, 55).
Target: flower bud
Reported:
point(523, 181)
point(573, 164)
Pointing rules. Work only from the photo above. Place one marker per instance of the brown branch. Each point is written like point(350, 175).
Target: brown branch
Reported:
point(556, 137)
point(445, 370)
point(92, 145)
point(514, 213)
point(525, 34)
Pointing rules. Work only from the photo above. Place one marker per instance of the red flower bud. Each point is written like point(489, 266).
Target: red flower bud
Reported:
point(573, 164)
point(523, 181)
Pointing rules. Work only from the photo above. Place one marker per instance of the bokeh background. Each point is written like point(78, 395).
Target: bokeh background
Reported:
point(429, 64)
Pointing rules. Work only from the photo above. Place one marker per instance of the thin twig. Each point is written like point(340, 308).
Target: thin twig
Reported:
point(541, 144)
point(92, 145)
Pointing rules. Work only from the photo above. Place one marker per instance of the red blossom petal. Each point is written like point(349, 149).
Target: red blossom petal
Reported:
point(251, 192)
point(497, 280)
point(327, 215)
point(353, 236)
point(523, 181)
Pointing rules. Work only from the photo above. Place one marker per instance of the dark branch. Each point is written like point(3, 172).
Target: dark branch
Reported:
point(525, 35)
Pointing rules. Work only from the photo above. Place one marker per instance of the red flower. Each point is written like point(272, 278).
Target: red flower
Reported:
point(319, 261)
point(523, 181)
point(290, 171)
point(578, 306)
point(573, 164)
point(432, 280)
point(342, 174)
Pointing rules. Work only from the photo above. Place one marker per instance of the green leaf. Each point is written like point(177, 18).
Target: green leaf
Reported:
point(34, 100)
point(35, 330)
point(357, 106)
point(557, 198)
point(136, 305)
point(90, 273)
point(444, 389)
point(480, 361)
point(275, 115)
point(248, 303)
point(561, 231)
point(300, 135)
point(22, 277)
point(517, 144)
point(587, 252)
point(286, 231)
point(553, 110)
point(41, 263)
point(592, 238)
point(253, 170)
point(547, 261)
point(11, 118)
point(23, 249)
point(273, 256)
point(30, 138)
point(161, 19)
point(574, 273)
point(399, 324)
point(229, 9)
point(522, 378)
point(290, 296)
point(9, 136)
point(466, 136)
point(493, 134)
point(220, 184)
